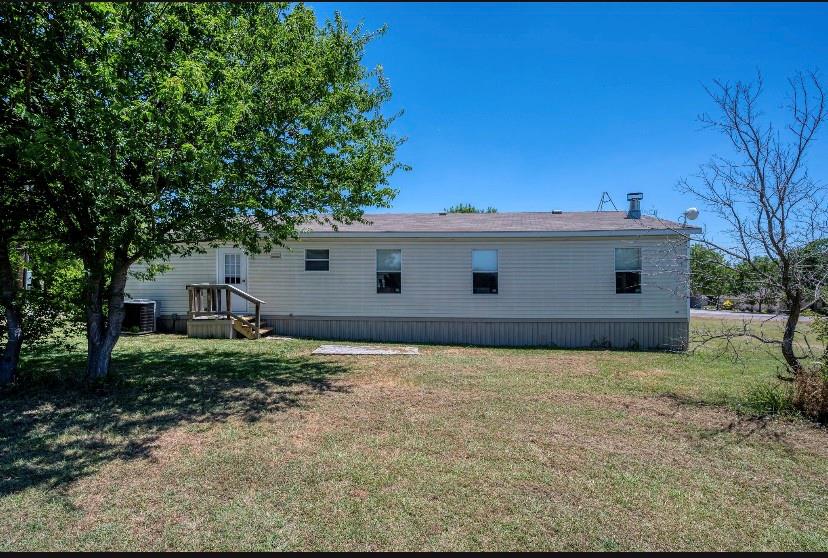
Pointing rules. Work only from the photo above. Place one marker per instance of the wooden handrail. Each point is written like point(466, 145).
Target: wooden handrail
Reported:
point(212, 304)
point(230, 288)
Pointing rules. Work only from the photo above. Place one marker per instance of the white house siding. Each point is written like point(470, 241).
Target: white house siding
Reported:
point(550, 289)
point(168, 289)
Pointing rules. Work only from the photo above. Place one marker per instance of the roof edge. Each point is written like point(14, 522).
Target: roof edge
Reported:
point(686, 232)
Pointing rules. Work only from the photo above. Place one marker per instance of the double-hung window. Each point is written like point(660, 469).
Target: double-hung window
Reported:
point(484, 271)
point(389, 271)
point(627, 270)
point(317, 260)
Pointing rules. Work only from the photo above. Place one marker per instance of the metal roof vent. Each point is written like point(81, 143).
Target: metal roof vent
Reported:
point(634, 211)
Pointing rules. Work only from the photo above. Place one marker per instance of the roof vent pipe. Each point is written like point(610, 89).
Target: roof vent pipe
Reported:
point(634, 212)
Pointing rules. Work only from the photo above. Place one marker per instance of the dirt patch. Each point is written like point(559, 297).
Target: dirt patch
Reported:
point(305, 428)
point(644, 373)
point(691, 422)
point(171, 444)
point(90, 493)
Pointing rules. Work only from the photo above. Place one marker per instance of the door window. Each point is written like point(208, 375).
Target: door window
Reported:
point(232, 269)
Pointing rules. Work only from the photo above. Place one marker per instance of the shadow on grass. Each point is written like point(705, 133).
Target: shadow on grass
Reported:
point(745, 426)
point(52, 435)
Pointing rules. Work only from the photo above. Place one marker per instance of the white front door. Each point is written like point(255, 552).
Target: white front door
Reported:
point(232, 270)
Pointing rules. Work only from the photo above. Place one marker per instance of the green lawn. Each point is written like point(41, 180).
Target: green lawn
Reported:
point(257, 445)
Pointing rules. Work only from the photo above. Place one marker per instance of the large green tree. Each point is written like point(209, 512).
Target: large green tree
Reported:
point(167, 127)
point(710, 273)
point(22, 211)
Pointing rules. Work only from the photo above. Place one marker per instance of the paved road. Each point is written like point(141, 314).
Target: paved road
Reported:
point(724, 315)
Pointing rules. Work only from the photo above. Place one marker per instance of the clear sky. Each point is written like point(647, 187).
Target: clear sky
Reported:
point(545, 106)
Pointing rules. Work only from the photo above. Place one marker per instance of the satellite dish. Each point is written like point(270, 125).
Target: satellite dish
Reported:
point(691, 214)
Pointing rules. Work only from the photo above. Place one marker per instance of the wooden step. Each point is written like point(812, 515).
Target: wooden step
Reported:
point(249, 330)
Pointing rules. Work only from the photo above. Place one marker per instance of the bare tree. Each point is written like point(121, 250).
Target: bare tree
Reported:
point(773, 207)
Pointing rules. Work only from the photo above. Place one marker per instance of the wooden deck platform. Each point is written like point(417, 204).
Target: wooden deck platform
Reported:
point(211, 313)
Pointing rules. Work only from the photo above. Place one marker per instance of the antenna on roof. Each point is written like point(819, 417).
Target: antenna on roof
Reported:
point(606, 200)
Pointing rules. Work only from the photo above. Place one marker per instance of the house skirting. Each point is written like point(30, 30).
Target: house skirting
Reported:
point(664, 334)
point(616, 333)
point(210, 329)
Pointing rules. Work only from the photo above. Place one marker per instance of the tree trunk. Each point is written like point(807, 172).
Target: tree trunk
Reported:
point(794, 303)
point(11, 353)
point(14, 322)
point(99, 356)
point(103, 328)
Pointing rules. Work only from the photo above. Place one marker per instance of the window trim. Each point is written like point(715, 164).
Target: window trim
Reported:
point(639, 270)
point(328, 259)
point(377, 270)
point(496, 271)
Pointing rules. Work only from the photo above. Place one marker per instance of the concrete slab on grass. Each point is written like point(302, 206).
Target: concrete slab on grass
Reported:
point(350, 350)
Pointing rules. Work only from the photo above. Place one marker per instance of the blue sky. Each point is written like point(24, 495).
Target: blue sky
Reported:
point(545, 106)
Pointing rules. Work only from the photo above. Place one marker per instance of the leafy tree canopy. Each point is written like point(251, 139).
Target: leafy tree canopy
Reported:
point(155, 128)
point(469, 208)
point(710, 273)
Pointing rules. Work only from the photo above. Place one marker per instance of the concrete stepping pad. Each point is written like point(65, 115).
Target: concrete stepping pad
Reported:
point(350, 350)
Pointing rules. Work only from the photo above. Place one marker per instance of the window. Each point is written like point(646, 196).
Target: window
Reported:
point(627, 270)
point(232, 269)
point(389, 271)
point(317, 260)
point(484, 271)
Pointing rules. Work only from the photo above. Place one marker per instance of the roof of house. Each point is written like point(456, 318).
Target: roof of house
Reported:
point(519, 222)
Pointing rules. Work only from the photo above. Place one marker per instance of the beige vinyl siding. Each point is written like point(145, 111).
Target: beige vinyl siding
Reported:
point(168, 289)
point(538, 278)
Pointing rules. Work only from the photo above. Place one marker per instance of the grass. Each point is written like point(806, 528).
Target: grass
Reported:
point(222, 445)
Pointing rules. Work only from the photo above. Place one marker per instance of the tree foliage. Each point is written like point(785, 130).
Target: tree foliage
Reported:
point(47, 313)
point(710, 273)
point(469, 208)
point(21, 207)
point(164, 128)
point(749, 281)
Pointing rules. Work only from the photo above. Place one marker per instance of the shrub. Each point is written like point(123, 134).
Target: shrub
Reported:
point(811, 394)
point(727, 305)
point(768, 399)
point(44, 324)
point(811, 385)
point(603, 343)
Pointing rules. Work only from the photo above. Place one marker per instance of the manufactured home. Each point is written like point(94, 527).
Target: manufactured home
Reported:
point(553, 279)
